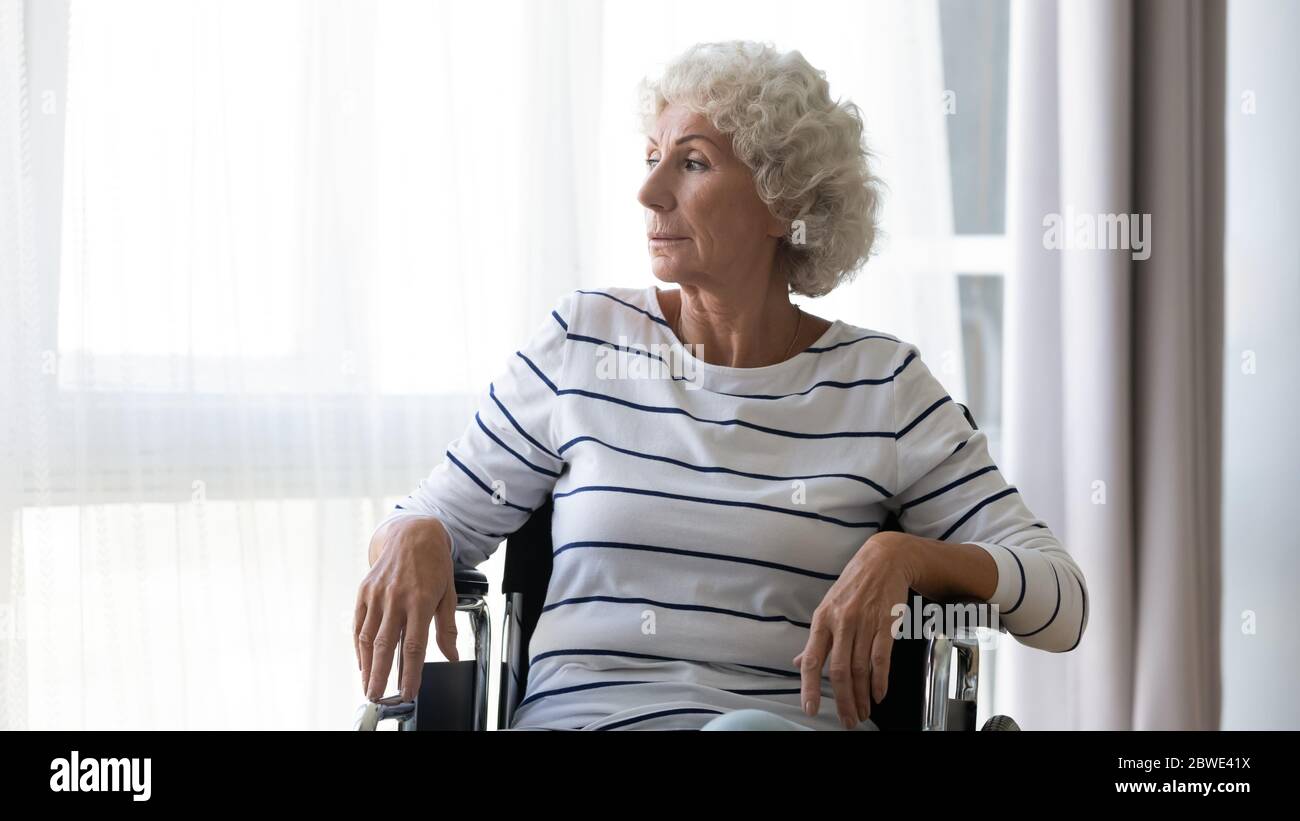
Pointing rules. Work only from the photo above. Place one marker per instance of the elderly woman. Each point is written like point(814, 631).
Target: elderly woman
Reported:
point(718, 554)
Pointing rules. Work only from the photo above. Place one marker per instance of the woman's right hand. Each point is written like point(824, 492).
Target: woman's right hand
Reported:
point(411, 581)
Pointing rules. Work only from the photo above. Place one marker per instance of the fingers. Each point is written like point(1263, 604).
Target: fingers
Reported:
point(880, 652)
point(374, 615)
point(861, 673)
point(810, 667)
point(415, 640)
point(842, 674)
point(859, 668)
point(358, 619)
point(384, 643)
point(446, 623)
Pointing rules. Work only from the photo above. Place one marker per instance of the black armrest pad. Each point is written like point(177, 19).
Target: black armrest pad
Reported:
point(470, 582)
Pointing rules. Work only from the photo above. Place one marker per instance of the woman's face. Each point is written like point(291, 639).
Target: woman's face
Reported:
point(697, 191)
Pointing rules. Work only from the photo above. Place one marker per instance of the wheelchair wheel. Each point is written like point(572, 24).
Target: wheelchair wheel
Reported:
point(1002, 723)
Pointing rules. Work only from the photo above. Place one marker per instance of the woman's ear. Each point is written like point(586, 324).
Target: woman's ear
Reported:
point(778, 227)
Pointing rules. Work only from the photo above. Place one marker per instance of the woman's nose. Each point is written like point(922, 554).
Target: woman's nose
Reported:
point(655, 192)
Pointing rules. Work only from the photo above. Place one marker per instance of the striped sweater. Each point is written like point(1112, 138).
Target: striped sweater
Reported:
point(702, 512)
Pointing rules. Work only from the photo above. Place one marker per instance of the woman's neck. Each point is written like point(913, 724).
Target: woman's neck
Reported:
point(744, 328)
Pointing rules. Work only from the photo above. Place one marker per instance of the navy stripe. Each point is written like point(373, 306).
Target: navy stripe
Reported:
point(927, 497)
point(660, 714)
point(1054, 611)
point(850, 342)
point(577, 687)
point(624, 348)
point(560, 320)
point(492, 393)
point(906, 362)
point(628, 304)
point(675, 606)
point(716, 469)
point(975, 510)
point(699, 554)
point(1021, 598)
point(480, 483)
point(1077, 577)
point(399, 507)
point(511, 451)
point(539, 373)
point(763, 691)
point(924, 414)
point(588, 651)
point(959, 447)
point(738, 422)
point(828, 383)
point(1084, 619)
point(680, 411)
point(806, 514)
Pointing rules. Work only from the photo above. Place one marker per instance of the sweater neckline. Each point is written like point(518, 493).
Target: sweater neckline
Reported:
point(652, 299)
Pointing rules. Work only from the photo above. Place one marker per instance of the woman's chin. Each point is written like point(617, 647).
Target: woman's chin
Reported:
point(664, 273)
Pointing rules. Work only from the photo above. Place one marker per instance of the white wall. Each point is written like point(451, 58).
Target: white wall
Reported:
point(1261, 523)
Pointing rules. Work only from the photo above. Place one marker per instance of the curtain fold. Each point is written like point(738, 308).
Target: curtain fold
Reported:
point(1179, 347)
point(1114, 378)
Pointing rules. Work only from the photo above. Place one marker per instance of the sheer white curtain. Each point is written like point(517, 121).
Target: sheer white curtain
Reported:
point(297, 238)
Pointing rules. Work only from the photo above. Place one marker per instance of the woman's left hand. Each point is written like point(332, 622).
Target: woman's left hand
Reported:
point(852, 627)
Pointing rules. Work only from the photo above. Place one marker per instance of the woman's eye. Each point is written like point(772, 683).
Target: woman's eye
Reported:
point(650, 163)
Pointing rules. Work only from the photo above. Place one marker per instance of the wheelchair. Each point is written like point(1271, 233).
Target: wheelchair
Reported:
point(453, 695)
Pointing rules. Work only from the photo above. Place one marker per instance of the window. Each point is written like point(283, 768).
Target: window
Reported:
point(975, 51)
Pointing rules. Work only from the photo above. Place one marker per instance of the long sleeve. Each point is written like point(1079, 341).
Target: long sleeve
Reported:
point(948, 488)
point(504, 465)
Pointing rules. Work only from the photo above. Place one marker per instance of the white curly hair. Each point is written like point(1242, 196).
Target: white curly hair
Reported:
point(806, 150)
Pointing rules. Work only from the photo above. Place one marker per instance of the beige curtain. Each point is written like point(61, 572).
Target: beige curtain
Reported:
point(1114, 363)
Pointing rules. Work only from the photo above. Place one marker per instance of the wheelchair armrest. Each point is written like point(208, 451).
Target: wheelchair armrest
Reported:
point(470, 582)
point(446, 700)
point(938, 711)
point(390, 707)
point(452, 694)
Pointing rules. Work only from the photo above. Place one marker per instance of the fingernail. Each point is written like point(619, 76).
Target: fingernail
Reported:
point(848, 723)
point(862, 714)
point(808, 707)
